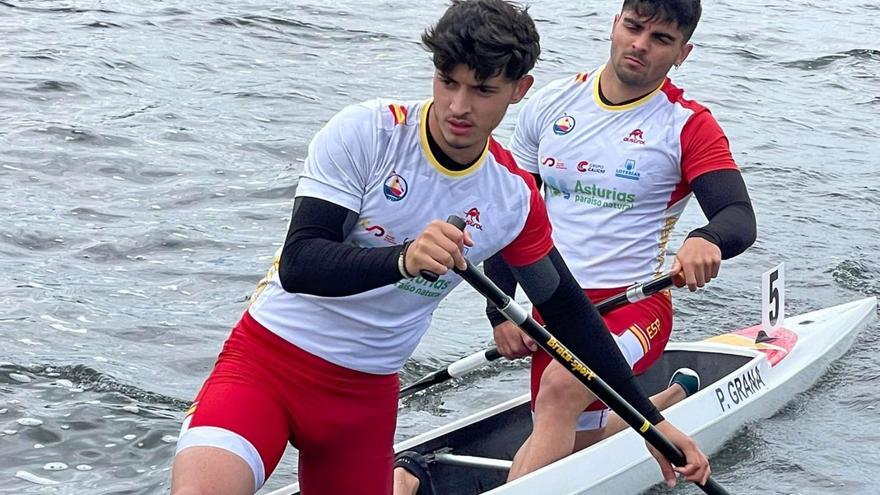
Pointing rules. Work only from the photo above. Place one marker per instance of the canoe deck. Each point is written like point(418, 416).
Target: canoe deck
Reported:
point(741, 380)
point(500, 436)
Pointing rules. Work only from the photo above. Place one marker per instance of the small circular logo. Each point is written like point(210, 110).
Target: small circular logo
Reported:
point(563, 125)
point(395, 187)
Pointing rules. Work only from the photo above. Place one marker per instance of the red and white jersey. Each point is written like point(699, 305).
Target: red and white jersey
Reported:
point(616, 177)
point(374, 159)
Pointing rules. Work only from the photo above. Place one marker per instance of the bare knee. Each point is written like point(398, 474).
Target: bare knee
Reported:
point(561, 390)
point(210, 470)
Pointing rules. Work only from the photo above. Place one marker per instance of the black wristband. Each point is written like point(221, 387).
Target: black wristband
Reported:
point(494, 315)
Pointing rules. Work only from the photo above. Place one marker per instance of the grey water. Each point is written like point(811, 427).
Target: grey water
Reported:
point(149, 153)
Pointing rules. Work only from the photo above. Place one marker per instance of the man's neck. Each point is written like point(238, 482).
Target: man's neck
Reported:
point(614, 92)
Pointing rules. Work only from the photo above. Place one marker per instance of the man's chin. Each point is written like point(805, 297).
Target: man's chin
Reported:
point(459, 145)
point(631, 79)
point(459, 142)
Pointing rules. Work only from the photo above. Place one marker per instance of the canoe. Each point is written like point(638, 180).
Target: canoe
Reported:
point(742, 381)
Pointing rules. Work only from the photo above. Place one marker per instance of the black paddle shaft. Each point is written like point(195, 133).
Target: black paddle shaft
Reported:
point(585, 375)
point(634, 293)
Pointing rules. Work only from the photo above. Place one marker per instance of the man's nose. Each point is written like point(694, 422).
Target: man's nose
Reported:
point(461, 102)
point(641, 42)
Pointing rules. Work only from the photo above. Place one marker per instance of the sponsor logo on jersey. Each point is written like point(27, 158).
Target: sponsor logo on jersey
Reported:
point(563, 125)
point(628, 171)
point(585, 166)
point(379, 231)
point(553, 163)
point(472, 218)
point(395, 187)
point(637, 136)
point(421, 287)
point(592, 195)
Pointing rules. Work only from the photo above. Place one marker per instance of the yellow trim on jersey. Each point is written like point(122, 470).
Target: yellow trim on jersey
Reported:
point(619, 108)
point(426, 148)
point(665, 232)
point(264, 282)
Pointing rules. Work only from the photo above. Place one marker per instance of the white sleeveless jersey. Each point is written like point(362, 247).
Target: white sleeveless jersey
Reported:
point(374, 159)
point(616, 178)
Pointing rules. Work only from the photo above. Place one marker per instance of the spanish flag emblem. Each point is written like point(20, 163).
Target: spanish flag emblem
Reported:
point(399, 113)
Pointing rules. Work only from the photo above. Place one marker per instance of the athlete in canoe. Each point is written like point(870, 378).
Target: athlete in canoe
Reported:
point(619, 150)
point(314, 359)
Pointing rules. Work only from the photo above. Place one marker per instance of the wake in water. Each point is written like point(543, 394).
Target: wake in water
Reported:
point(87, 430)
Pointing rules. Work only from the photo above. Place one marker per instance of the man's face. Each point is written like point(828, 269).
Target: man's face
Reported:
point(467, 110)
point(642, 51)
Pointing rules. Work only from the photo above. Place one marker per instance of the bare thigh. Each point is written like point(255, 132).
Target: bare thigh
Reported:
point(207, 470)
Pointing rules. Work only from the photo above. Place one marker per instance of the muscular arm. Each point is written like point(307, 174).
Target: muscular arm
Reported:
point(574, 321)
point(725, 202)
point(315, 261)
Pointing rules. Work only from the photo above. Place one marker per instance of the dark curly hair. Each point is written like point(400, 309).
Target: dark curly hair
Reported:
point(684, 13)
point(491, 37)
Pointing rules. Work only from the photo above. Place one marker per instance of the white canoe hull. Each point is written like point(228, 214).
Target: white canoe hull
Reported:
point(754, 388)
point(622, 465)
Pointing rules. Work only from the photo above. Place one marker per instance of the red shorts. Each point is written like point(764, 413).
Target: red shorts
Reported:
point(642, 329)
point(265, 392)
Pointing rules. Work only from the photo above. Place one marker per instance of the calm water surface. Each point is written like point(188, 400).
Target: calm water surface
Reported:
point(149, 154)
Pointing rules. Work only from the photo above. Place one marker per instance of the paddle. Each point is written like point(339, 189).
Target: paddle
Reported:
point(465, 365)
point(515, 313)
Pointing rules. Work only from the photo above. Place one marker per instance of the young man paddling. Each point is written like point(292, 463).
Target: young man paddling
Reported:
point(619, 150)
point(314, 359)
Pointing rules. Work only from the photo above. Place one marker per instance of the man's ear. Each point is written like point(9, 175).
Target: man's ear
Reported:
point(522, 87)
point(684, 54)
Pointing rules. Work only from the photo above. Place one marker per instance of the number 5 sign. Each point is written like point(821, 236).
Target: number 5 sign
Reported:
point(773, 298)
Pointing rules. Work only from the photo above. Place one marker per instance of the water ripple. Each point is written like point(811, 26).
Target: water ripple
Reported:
point(148, 160)
point(853, 56)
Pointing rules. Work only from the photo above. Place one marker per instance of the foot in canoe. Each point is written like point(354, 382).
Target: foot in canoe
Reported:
point(411, 474)
point(687, 379)
point(683, 383)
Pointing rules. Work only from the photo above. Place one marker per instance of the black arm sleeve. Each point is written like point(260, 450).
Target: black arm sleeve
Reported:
point(315, 261)
point(574, 321)
point(497, 270)
point(725, 202)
